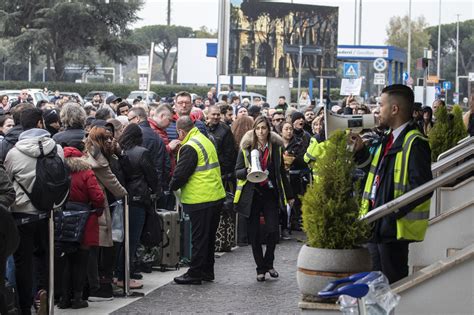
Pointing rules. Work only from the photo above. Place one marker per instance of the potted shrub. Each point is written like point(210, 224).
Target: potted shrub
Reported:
point(331, 222)
point(448, 129)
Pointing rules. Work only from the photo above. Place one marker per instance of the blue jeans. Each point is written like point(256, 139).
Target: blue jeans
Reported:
point(137, 220)
point(10, 274)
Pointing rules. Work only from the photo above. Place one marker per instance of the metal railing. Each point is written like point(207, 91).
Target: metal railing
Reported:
point(465, 142)
point(423, 190)
point(455, 155)
point(453, 158)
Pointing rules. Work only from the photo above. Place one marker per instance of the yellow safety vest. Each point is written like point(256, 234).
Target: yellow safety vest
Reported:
point(205, 185)
point(315, 151)
point(241, 182)
point(413, 225)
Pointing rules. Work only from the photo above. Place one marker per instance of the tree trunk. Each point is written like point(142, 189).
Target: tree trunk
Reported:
point(166, 73)
point(59, 64)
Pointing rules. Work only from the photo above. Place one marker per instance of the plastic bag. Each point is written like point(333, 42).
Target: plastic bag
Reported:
point(379, 300)
point(117, 222)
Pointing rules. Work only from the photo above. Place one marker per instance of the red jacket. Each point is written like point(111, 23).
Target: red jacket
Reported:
point(85, 189)
point(164, 136)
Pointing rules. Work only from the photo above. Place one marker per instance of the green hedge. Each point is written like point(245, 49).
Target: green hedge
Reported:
point(123, 90)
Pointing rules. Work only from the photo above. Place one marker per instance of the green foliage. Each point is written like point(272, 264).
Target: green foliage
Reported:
point(459, 130)
point(121, 90)
point(448, 47)
point(165, 38)
point(58, 28)
point(438, 136)
point(397, 35)
point(447, 130)
point(204, 32)
point(330, 208)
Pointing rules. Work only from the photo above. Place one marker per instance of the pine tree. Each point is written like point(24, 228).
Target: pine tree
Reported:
point(330, 206)
point(448, 129)
point(459, 129)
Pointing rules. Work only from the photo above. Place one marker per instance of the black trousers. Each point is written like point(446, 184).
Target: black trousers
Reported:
point(100, 266)
point(73, 269)
point(33, 247)
point(204, 225)
point(3, 263)
point(390, 258)
point(264, 201)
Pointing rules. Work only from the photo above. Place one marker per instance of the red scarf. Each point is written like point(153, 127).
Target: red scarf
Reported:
point(264, 162)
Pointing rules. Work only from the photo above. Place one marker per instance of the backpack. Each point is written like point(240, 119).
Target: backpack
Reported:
point(51, 186)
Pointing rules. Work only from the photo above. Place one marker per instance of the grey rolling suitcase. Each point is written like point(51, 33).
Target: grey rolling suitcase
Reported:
point(170, 248)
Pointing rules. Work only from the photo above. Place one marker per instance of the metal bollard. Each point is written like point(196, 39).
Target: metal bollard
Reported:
point(51, 264)
point(126, 239)
point(126, 246)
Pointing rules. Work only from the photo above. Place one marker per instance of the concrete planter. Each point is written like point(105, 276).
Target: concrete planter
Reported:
point(318, 266)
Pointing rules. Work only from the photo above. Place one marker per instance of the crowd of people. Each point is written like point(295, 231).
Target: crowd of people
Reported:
point(202, 148)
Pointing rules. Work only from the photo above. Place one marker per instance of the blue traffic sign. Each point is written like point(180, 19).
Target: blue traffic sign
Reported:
point(447, 85)
point(437, 89)
point(351, 70)
point(405, 76)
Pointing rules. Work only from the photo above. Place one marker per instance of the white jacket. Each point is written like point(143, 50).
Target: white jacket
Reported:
point(20, 164)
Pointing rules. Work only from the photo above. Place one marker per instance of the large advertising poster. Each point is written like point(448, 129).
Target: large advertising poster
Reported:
point(260, 29)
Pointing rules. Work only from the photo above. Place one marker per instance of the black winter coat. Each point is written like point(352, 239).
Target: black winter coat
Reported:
point(141, 179)
point(157, 149)
point(225, 146)
point(70, 137)
point(277, 173)
point(419, 172)
point(299, 171)
point(8, 231)
point(9, 141)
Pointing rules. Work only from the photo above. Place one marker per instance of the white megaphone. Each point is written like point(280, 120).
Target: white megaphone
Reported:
point(256, 174)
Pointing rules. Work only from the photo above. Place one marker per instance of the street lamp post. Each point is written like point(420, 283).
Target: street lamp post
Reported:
point(355, 22)
point(360, 22)
point(302, 50)
point(29, 64)
point(457, 59)
point(150, 67)
point(409, 39)
point(438, 68)
point(300, 63)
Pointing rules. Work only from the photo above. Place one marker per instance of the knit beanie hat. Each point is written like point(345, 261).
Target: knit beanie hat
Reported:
point(296, 115)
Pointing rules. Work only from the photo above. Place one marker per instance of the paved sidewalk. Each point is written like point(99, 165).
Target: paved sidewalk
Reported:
point(235, 290)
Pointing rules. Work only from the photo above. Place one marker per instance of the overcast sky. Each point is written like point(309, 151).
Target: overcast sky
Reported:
point(375, 14)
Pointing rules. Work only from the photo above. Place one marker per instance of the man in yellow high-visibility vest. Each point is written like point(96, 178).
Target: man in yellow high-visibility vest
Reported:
point(198, 175)
point(399, 164)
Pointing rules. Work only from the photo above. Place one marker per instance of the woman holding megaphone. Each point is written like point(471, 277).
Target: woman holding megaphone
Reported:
point(262, 188)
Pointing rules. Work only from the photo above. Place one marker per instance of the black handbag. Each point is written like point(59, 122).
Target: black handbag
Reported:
point(152, 233)
point(69, 224)
point(228, 205)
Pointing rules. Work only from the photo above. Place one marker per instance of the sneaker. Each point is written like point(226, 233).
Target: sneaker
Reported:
point(104, 293)
point(284, 235)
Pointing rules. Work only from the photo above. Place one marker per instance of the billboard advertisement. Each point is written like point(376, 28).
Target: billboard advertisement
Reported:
point(259, 31)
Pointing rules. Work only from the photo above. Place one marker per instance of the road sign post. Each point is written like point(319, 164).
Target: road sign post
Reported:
point(302, 50)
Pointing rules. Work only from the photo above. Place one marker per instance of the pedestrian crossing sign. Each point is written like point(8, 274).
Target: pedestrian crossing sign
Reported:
point(351, 70)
